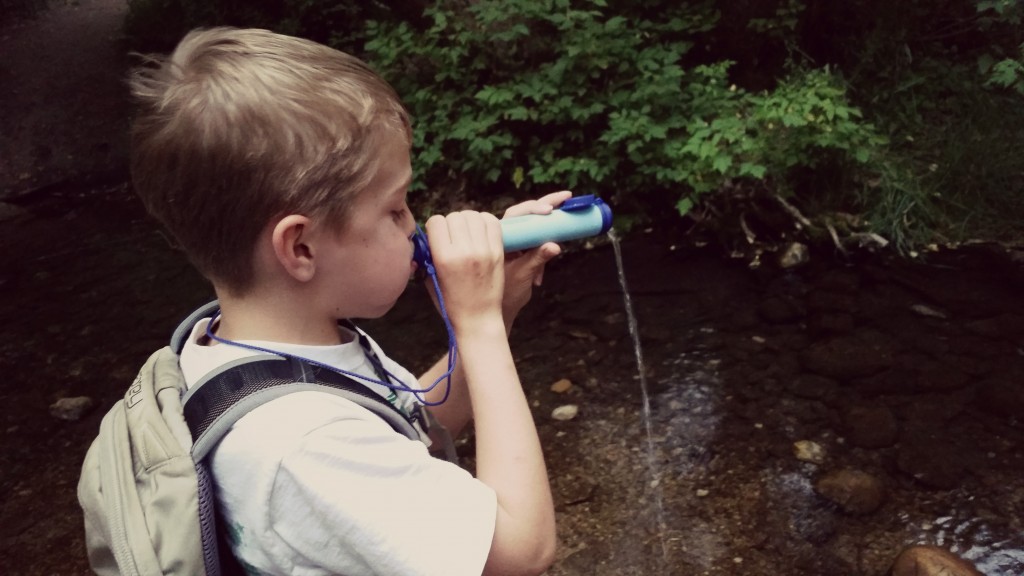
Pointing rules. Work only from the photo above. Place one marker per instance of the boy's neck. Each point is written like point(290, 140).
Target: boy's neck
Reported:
point(276, 320)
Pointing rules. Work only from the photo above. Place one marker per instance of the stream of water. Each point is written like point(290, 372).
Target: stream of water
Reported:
point(652, 464)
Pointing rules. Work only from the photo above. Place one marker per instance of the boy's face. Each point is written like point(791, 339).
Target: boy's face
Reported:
point(367, 266)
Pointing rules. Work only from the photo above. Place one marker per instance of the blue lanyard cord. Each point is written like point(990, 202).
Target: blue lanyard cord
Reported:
point(393, 383)
point(453, 347)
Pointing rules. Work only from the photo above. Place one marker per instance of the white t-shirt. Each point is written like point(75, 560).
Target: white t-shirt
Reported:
point(313, 484)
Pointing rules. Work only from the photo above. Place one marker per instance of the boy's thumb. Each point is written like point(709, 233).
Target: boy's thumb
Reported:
point(539, 258)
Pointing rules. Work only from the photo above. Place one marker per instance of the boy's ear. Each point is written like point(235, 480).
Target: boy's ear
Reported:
point(293, 248)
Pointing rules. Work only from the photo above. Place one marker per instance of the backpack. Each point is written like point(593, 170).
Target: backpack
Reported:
point(145, 488)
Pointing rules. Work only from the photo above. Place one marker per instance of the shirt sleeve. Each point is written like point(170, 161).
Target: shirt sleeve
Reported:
point(353, 497)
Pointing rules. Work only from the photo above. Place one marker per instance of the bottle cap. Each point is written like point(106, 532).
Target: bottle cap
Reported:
point(586, 201)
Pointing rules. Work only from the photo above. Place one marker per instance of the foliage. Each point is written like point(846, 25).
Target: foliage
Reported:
point(905, 113)
point(157, 25)
point(529, 95)
point(1006, 73)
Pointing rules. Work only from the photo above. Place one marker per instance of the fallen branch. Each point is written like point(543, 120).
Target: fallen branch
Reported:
point(793, 211)
point(835, 238)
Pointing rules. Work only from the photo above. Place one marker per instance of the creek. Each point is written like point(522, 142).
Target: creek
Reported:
point(905, 371)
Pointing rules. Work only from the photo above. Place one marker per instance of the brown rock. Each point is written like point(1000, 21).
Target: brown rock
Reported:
point(776, 310)
point(871, 426)
point(1002, 395)
point(847, 358)
point(931, 561)
point(942, 377)
point(1002, 326)
point(794, 255)
point(813, 387)
point(933, 460)
point(822, 301)
point(831, 323)
point(71, 408)
point(562, 386)
point(854, 491)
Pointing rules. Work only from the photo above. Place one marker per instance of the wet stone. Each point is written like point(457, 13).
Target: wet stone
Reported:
point(932, 460)
point(10, 212)
point(566, 412)
point(941, 377)
point(813, 387)
point(570, 490)
point(897, 380)
point(839, 281)
point(929, 311)
point(1002, 395)
point(613, 327)
point(854, 491)
point(743, 319)
point(933, 412)
point(809, 451)
point(831, 323)
point(1002, 326)
point(870, 426)
point(654, 334)
point(777, 310)
point(821, 301)
point(794, 255)
point(71, 409)
point(846, 358)
point(931, 561)
point(562, 386)
point(931, 343)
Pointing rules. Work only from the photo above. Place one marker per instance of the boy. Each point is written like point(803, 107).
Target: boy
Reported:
point(281, 167)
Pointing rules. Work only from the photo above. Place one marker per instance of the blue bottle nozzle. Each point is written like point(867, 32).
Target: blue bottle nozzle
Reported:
point(578, 217)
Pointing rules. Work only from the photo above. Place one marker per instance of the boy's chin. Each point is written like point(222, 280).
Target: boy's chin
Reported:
point(377, 312)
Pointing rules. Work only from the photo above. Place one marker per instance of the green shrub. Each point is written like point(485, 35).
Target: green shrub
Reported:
point(907, 114)
point(531, 95)
point(157, 25)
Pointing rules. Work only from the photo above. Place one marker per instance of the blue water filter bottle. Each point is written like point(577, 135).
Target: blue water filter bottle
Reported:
point(579, 217)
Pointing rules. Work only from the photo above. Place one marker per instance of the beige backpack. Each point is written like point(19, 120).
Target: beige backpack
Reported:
point(145, 488)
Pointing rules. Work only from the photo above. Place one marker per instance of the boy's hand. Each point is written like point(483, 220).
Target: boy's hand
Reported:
point(524, 270)
point(468, 254)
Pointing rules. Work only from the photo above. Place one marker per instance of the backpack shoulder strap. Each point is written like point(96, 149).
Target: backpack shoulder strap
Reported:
point(215, 404)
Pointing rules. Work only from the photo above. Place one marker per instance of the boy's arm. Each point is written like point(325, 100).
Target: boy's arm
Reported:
point(469, 256)
point(522, 272)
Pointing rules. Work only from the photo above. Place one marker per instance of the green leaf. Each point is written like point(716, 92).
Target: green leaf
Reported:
point(722, 163)
point(684, 205)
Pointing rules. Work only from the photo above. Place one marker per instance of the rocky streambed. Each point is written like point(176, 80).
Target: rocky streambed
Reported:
point(809, 421)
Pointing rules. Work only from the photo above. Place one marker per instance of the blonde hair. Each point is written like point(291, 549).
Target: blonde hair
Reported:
point(237, 127)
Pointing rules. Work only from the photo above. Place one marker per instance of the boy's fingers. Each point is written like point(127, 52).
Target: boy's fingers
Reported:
point(542, 205)
point(544, 255)
point(493, 231)
point(556, 198)
point(528, 207)
point(437, 230)
point(531, 264)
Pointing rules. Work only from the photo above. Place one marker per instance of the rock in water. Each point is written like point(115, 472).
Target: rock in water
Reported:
point(794, 255)
point(71, 408)
point(809, 451)
point(566, 412)
point(854, 491)
point(562, 386)
point(931, 561)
